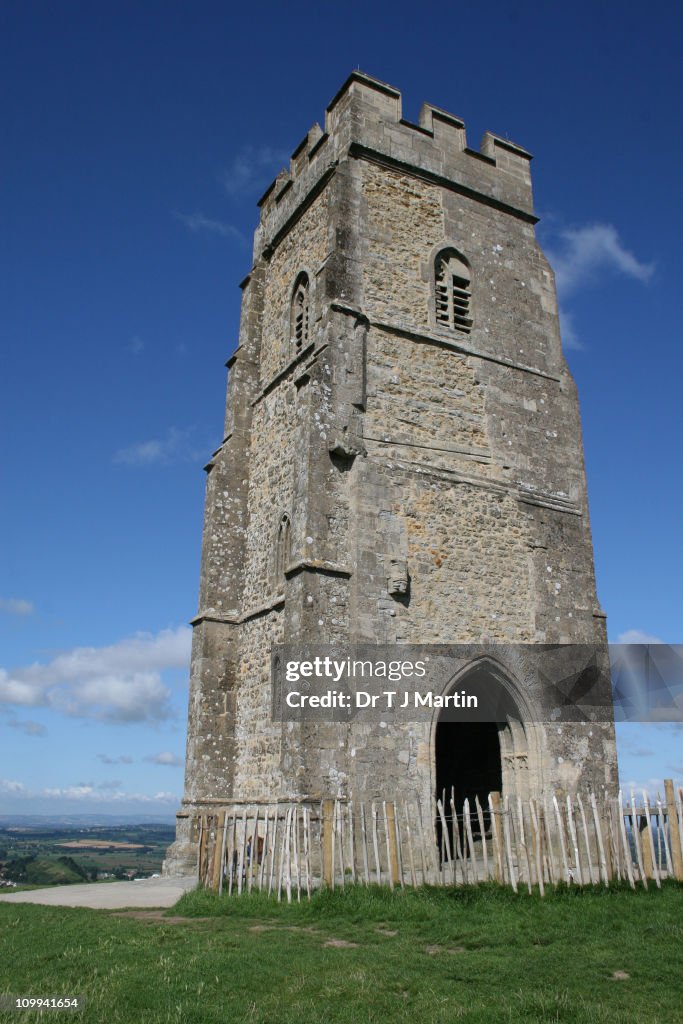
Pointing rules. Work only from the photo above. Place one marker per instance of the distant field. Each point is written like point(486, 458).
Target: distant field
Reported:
point(37, 854)
point(100, 844)
point(429, 956)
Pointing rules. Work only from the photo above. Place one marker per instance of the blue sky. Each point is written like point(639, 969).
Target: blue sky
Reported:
point(137, 138)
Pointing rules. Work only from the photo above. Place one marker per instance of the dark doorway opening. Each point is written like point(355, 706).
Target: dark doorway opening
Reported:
point(468, 765)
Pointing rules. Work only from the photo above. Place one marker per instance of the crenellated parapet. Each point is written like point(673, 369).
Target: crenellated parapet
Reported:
point(364, 120)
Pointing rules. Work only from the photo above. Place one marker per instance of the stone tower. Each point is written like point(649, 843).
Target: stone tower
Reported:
point(402, 462)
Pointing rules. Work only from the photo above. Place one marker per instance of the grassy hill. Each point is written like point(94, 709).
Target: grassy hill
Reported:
point(429, 956)
point(46, 870)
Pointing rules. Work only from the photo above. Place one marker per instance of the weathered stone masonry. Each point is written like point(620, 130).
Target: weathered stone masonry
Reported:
point(385, 476)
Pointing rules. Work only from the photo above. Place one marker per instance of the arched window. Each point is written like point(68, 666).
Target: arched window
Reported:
point(452, 291)
point(300, 312)
point(282, 549)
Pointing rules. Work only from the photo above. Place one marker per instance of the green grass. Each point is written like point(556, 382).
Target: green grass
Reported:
point(52, 871)
point(482, 956)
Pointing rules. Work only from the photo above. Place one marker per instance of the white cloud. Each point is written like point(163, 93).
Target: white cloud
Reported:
point(248, 173)
point(28, 727)
point(78, 792)
point(16, 606)
point(198, 222)
point(583, 255)
point(165, 757)
point(94, 796)
point(136, 345)
point(89, 793)
point(174, 447)
point(119, 683)
point(570, 337)
point(653, 788)
point(121, 759)
point(251, 169)
point(637, 636)
point(126, 697)
point(11, 787)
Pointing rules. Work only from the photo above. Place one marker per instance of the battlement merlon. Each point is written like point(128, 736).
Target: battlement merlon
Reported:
point(364, 120)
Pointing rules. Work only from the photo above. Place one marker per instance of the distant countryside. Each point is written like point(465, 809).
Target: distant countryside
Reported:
point(33, 855)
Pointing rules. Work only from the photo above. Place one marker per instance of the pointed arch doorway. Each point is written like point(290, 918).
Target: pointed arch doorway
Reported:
point(484, 752)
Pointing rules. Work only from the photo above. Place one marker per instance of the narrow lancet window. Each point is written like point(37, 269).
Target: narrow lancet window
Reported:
point(452, 291)
point(282, 549)
point(300, 312)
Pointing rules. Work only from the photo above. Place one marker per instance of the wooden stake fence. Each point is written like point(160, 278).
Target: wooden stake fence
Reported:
point(290, 849)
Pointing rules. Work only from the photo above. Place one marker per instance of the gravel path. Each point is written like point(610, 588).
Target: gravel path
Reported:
point(148, 892)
